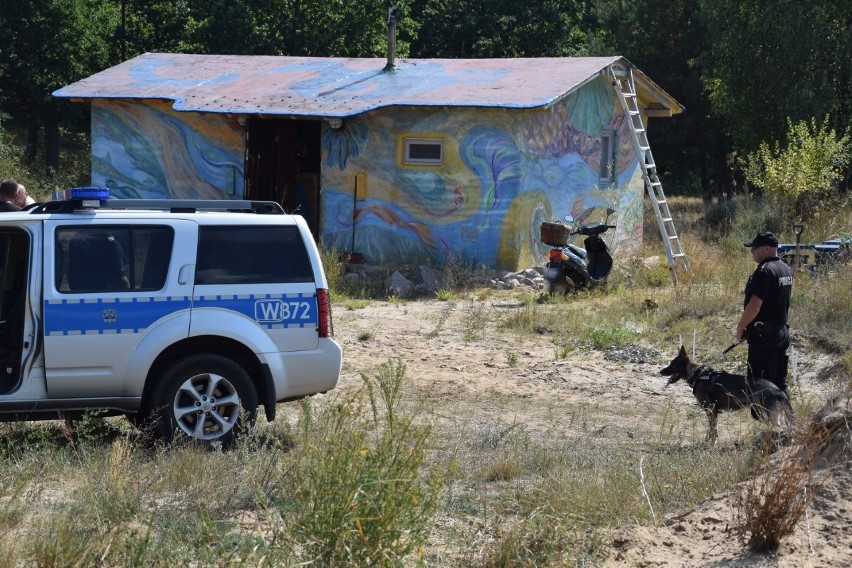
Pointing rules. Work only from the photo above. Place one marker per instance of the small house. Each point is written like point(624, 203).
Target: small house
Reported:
point(415, 162)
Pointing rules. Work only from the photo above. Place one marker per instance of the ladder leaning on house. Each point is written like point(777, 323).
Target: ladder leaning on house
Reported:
point(622, 80)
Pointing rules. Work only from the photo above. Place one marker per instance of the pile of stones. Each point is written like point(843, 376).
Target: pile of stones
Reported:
point(409, 281)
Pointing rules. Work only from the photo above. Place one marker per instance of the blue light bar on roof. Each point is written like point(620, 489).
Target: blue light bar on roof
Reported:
point(89, 197)
point(88, 193)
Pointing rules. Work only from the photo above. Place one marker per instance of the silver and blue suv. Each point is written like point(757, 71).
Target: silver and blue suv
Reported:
point(188, 315)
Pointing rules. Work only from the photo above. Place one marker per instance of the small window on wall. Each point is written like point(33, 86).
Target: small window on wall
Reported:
point(607, 169)
point(429, 151)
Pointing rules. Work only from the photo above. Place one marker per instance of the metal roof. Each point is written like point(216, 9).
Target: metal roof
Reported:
point(341, 87)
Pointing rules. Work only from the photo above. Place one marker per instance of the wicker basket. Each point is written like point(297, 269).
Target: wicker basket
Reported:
point(555, 234)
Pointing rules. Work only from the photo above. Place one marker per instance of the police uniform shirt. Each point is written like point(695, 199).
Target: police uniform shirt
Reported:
point(772, 282)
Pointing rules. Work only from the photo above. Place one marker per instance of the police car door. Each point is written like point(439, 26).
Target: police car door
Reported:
point(116, 292)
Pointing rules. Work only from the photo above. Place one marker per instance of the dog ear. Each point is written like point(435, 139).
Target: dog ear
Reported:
point(682, 351)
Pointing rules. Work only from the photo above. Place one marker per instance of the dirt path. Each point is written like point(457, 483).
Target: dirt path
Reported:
point(469, 370)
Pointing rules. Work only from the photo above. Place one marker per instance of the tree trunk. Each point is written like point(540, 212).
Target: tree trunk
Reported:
point(51, 139)
point(293, 40)
point(31, 151)
point(706, 187)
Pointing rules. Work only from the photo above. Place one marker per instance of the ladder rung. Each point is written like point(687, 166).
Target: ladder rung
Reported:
point(660, 201)
point(656, 184)
point(633, 112)
point(679, 255)
point(667, 220)
point(674, 238)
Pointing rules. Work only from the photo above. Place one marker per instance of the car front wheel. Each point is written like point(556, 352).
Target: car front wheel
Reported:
point(205, 397)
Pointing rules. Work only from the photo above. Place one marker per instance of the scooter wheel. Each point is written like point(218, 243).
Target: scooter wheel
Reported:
point(561, 288)
point(556, 288)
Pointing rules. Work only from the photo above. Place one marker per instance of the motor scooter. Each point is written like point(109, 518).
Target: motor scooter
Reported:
point(569, 267)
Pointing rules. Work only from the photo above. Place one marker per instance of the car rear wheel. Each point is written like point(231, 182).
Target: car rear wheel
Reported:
point(205, 397)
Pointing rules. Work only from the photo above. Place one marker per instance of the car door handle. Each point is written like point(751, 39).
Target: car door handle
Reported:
point(185, 273)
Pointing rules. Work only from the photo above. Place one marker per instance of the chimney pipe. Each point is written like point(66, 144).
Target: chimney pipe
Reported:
point(391, 39)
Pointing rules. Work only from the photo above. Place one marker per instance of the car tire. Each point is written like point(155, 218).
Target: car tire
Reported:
point(205, 398)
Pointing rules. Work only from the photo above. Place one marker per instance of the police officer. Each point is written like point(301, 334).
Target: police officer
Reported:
point(764, 320)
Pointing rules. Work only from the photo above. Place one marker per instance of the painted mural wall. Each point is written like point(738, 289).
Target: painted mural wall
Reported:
point(145, 150)
point(504, 172)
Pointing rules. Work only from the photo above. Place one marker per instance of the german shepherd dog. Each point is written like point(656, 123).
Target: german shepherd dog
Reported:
point(716, 391)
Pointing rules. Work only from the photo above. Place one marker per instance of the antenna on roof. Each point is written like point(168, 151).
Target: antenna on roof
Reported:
point(391, 39)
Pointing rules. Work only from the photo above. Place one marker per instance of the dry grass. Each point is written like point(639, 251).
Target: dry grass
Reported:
point(505, 496)
point(775, 499)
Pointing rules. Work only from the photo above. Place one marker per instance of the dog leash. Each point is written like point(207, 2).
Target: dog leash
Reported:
point(731, 347)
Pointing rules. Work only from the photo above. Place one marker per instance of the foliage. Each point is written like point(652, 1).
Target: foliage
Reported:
point(811, 161)
point(722, 214)
point(46, 46)
point(767, 60)
point(725, 64)
point(334, 269)
point(607, 336)
point(361, 495)
point(500, 28)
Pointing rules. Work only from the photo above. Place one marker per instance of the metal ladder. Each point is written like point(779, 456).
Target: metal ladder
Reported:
point(622, 80)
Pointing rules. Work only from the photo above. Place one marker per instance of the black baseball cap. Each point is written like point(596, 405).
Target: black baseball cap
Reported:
point(763, 240)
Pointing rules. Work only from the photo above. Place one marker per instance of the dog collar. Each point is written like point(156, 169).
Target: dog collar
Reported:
point(699, 374)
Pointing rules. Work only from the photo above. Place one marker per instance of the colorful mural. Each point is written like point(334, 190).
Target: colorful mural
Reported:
point(148, 151)
point(503, 173)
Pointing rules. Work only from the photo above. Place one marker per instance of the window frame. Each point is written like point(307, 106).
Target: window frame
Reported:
point(60, 274)
point(607, 161)
point(408, 141)
point(214, 268)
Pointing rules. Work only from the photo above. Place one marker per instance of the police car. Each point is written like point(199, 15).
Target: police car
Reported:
point(187, 315)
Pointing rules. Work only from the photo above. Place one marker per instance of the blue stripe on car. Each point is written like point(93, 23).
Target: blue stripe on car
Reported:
point(94, 316)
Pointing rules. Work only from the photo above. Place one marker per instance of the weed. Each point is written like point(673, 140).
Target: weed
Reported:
point(512, 359)
point(334, 268)
point(477, 316)
point(460, 273)
point(607, 337)
point(503, 467)
point(355, 304)
point(365, 335)
point(562, 351)
point(445, 295)
point(359, 490)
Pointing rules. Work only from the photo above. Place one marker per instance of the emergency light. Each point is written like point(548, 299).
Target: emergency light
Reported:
point(89, 197)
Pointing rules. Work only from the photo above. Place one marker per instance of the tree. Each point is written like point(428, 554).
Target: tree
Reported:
point(500, 28)
point(811, 162)
point(771, 59)
point(666, 40)
point(47, 45)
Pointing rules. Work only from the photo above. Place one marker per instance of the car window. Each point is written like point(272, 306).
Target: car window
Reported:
point(252, 255)
point(104, 259)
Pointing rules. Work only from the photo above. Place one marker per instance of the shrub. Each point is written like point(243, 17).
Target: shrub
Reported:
point(334, 269)
point(361, 498)
point(776, 498)
point(812, 160)
point(721, 215)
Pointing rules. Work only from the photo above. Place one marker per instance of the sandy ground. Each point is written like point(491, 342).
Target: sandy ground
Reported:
point(469, 371)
